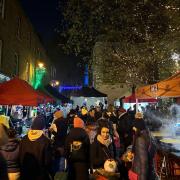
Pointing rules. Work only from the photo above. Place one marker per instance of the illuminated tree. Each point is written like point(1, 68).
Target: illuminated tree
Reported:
point(142, 32)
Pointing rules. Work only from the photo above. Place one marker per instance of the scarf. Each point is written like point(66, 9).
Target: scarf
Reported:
point(106, 142)
point(34, 134)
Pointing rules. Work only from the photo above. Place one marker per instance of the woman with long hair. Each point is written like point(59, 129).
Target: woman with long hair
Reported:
point(144, 150)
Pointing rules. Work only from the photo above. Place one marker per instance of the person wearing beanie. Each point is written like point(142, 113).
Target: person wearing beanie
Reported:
point(78, 123)
point(124, 129)
point(77, 146)
point(84, 114)
point(70, 118)
point(10, 152)
point(36, 153)
point(138, 115)
point(58, 129)
point(144, 150)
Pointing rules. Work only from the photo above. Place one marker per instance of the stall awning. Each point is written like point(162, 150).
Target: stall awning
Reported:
point(54, 92)
point(87, 92)
point(166, 88)
point(132, 99)
point(18, 92)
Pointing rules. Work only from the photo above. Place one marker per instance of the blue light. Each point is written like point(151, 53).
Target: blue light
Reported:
point(86, 76)
point(63, 88)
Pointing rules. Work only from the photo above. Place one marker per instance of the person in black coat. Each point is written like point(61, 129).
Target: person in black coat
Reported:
point(101, 148)
point(10, 152)
point(59, 130)
point(35, 153)
point(144, 150)
point(77, 147)
point(124, 128)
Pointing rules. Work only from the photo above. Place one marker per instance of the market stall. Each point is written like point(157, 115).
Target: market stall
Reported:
point(167, 88)
point(87, 96)
point(18, 92)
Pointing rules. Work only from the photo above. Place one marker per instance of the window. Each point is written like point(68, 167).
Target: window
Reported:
point(1, 44)
point(2, 7)
point(16, 64)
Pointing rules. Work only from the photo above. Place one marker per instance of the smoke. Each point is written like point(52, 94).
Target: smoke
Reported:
point(166, 122)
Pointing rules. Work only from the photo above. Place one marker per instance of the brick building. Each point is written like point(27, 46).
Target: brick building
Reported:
point(20, 47)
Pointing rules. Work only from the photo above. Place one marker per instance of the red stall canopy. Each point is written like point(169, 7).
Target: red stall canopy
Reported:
point(18, 92)
point(132, 99)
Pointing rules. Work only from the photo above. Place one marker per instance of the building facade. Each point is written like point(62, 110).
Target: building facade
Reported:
point(21, 50)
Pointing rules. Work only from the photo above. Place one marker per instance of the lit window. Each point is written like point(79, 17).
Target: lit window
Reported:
point(2, 7)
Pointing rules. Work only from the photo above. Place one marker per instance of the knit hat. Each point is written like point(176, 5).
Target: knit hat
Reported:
point(84, 111)
point(58, 114)
point(38, 123)
point(4, 120)
point(139, 115)
point(78, 123)
point(139, 124)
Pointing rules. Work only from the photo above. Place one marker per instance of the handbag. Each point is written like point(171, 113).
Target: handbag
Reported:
point(132, 175)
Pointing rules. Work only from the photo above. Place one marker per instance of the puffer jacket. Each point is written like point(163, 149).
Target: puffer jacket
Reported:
point(10, 152)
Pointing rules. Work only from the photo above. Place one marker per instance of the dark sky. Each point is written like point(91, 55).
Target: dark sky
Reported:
point(44, 16)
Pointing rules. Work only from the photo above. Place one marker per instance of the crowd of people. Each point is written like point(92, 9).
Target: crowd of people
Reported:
point(78, 146)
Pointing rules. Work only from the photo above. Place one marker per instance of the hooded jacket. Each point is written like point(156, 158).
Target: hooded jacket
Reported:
point(10, 152)
point(36, 154)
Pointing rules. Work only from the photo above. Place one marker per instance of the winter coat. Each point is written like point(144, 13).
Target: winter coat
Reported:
point(10, 151)
point(124, 128)
point(3, 168)
point(60, 135)
point(100, 153)
point(78, 134)
point(77, 147)
point(35, 159)
point(144, 151)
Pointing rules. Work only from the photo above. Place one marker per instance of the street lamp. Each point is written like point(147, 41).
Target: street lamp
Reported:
point(41, 65)
point(55, 83)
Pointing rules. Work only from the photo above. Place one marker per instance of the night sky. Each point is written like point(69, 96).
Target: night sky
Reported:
point(44, 16)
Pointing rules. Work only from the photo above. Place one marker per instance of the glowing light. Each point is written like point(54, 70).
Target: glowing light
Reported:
point(54, 83)
point(40, 72)
point(57, 83)
point(61, 88)
point(41, 65)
